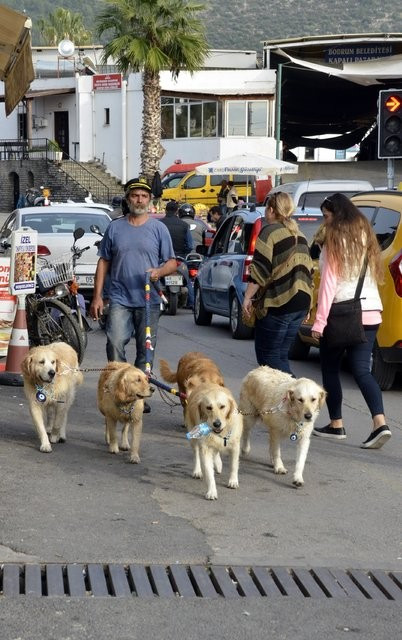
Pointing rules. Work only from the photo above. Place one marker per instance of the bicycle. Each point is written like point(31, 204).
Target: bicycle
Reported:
point(49, 319)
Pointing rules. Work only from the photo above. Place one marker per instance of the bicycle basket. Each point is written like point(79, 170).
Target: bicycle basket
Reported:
point(60, 270)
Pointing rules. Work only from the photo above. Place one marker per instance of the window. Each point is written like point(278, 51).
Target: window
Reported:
point(107, 115)
point(22, 126)
point(368, 212)
point(185, 118)
point(195, 182)
point(385, 226)
point(247, 118)
point(237, 237)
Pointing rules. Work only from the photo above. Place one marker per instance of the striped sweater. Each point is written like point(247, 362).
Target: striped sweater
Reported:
point(274, 248)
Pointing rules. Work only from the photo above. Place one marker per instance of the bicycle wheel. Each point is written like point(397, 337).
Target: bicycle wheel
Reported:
point(52, 321)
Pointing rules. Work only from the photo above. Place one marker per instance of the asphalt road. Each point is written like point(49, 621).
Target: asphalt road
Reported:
point(82, 504)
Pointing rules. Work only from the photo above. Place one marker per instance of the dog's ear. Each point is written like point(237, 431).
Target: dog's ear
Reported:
point(26, 366)
point(231, 409)
point(201, 410)
point(120, 388)
point(59, 366)
point(322, 396)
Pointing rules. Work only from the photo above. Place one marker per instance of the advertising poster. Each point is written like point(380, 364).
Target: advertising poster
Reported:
point(7, 306)
point(24, 243)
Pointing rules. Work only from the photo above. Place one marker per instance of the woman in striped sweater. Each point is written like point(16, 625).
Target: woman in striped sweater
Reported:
point(282, 269)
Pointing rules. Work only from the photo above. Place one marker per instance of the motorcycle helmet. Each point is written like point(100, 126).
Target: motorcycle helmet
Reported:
point(186, 210)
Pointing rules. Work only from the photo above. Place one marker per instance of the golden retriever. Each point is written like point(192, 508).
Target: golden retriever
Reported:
point(215, 405)
point(121, 392)
point(193, 369)
point(51, 376)
point(287, 406)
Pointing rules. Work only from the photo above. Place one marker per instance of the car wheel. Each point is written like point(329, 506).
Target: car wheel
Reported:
point(238, 329)
point(383, 372)
point(202, 317)
point(299, 350)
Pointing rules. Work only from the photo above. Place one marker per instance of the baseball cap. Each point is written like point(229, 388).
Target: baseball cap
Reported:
point(138, 183)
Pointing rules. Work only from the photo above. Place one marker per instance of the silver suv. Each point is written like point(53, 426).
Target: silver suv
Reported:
point(309, 194)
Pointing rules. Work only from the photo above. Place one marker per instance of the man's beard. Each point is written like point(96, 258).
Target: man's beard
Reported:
point(138, 209)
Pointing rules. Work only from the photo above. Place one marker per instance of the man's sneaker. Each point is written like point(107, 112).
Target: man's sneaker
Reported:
point(330, 432)
point(147, 408)
point(377, 438)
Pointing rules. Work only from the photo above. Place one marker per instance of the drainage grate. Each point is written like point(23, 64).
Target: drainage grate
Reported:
point(195, 581)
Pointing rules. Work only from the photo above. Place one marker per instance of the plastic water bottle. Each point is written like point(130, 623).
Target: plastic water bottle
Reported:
point(199, 431)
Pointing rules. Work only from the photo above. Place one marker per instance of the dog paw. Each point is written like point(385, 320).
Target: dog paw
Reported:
point(45, 448)
point(135, 458)
point(280, 471)
point(54, 437)
point(211, 495)
point(297, 482)
point(114, 448)
point(125, 446)
point(233, 484)
point(197, 474)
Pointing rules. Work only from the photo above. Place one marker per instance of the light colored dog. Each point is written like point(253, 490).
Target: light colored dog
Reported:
point(193, 369)
point(121, 392)
point(287, 406)
point(216, 406)
point(51, 376)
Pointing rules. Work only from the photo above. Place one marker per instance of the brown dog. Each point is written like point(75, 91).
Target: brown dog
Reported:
point(51, 376)
point(121, 392)
point(193, 369)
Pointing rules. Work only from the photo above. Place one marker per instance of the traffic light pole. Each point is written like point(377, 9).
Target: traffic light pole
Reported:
point(390, 173)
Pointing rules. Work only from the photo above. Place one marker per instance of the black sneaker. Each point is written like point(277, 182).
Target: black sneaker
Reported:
point(330, 432)
point(147, 408)
point(377, 438)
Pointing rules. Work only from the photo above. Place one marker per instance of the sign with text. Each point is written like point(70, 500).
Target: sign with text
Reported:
point(7, 306)
point(357, 53)
point(24, 244)
point(106, 82)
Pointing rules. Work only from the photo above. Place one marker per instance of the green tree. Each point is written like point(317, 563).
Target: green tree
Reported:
point(151, 36)
point(63, 24)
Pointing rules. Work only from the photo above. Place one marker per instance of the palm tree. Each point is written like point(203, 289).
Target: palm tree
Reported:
point(150, 36)
point(63, 24)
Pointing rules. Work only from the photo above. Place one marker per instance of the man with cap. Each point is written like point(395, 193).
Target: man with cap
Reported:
point(132, 245)
point(182, 242)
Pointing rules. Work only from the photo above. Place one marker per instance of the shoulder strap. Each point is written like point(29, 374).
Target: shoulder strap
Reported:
point(362, 275)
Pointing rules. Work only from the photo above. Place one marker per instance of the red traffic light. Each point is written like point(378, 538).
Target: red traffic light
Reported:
point(393, 103)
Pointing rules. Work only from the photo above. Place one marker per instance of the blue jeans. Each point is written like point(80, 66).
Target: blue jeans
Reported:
point(122, 322)
point(359, 357)
point(273, 336)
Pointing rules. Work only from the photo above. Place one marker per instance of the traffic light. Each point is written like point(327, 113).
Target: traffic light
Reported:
point(390, 123)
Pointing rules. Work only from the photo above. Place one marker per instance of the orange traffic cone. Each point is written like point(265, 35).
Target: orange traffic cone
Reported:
point(18, 348)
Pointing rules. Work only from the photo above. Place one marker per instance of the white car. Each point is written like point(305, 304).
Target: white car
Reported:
point(55, 225)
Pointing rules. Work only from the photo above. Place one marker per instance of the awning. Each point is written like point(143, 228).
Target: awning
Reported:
point(16, 68)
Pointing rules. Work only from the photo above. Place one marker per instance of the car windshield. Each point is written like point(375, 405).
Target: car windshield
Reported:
point(64, 222)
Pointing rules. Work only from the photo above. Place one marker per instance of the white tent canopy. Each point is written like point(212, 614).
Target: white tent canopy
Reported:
point(250, 164)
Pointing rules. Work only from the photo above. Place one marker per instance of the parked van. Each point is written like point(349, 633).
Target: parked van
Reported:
point(195, 188)
point(309, 194)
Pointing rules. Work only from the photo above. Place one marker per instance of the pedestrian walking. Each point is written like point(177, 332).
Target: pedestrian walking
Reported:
point(281, 279)
point(350, 251)
point(231, 197)
point(222, 195)
point(132, 245)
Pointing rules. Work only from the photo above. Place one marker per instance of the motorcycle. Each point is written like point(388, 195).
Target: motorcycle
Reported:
point(193, 262)
point(174, 287)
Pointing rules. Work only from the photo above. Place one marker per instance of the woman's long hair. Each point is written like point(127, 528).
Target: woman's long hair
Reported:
point(283, 208)
point(348, 236)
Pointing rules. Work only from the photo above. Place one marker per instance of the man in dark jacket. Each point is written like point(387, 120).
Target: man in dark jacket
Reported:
point(182, 242)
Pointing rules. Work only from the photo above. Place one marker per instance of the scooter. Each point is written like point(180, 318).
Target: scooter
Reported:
point(174, 287)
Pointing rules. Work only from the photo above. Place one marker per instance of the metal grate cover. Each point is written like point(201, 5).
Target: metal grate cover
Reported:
point(196, 581)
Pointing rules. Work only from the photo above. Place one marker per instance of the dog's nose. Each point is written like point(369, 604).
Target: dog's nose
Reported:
point(308, 416)
point(51, 373)
point(217, 424)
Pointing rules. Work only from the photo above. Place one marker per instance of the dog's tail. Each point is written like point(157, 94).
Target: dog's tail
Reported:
point(167, 374)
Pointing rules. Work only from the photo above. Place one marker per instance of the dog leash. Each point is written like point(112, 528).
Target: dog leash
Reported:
point(276, 409)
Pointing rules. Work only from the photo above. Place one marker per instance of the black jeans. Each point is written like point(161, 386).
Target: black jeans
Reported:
point(359, 357)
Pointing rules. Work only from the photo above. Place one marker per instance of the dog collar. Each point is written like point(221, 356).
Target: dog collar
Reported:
point(224, 438)
point(296, 433)
point(129, 411)
point(42, 394)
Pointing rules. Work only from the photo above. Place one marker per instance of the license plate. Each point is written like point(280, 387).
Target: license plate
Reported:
point(174, 280)
point(85, 280)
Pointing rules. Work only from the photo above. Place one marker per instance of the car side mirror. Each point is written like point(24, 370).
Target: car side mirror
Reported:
point(95, 229)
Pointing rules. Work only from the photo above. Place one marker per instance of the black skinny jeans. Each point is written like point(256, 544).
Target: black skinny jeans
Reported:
point(359, 357)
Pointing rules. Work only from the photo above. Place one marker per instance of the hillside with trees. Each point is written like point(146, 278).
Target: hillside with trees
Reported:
point(244, 24)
